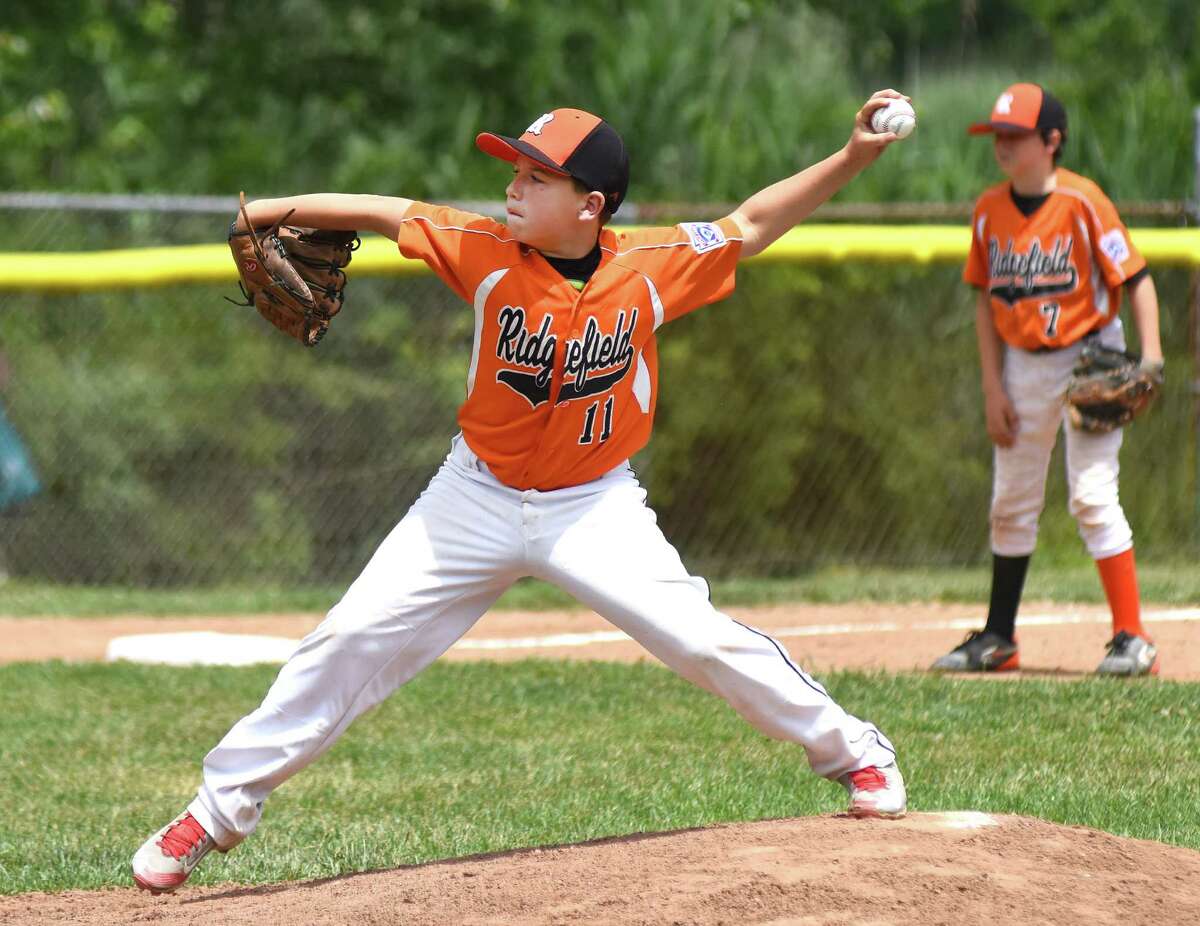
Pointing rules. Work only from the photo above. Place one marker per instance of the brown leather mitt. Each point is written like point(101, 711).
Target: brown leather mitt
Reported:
point(1109, 388)
point(292, 276)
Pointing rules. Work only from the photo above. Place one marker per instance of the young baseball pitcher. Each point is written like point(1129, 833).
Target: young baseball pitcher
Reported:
point(560, 393)
point(1049, 259)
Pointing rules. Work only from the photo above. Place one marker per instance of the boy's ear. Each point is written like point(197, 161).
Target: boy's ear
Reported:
point(593, 206)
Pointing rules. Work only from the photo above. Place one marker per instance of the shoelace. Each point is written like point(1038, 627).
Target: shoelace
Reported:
point(183, 837)
point(971, 638)
point(974, 634)
point(1119, 643)
point(869, 779)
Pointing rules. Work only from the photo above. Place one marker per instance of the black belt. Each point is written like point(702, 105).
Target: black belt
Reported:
point(1092, 335)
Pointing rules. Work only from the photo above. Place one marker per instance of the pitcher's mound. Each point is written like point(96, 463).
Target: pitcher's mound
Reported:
point(934, 868)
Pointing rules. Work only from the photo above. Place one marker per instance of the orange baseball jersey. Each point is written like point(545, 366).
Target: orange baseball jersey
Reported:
point(562, 384)
point(1056, 275)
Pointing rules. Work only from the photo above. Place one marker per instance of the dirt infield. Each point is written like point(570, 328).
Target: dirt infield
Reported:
point(1061, 640)
point(927, 869)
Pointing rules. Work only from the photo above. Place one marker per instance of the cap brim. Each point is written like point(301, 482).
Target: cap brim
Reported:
point(985, 128)
point(509, 149)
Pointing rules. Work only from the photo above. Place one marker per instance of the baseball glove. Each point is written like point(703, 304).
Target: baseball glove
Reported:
point(292, 276)
point(1109, 388)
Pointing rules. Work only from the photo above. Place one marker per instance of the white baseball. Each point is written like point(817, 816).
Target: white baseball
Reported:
point(897, 116)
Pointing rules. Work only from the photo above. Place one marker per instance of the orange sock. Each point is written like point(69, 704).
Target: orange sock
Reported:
point(1119, 577)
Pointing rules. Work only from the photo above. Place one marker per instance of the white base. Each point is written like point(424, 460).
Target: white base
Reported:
point(966, 820)
point(201, 648)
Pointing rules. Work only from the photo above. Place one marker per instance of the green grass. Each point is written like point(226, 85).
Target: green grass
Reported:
point(1162, 583)
point(485, 757)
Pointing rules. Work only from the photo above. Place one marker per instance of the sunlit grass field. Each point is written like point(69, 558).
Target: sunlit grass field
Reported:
point(485, 757)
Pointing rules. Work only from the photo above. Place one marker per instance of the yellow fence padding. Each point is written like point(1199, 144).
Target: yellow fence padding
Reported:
point(1179, 247)
point(211, 263)
point(134, 268)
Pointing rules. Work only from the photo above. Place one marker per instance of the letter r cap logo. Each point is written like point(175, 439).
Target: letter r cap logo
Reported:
point(539, 124)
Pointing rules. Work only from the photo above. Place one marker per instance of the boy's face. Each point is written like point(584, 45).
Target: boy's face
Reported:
point(1023, 154)
point(542, 206)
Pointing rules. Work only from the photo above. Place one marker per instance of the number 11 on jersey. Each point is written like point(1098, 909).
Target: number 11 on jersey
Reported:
point(589, 422)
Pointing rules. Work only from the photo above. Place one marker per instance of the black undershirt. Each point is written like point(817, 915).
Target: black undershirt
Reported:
point(576, 270)
point(1028, 205)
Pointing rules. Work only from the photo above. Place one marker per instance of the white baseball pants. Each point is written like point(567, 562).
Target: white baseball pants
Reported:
point(1037, 385)
point(463, 542)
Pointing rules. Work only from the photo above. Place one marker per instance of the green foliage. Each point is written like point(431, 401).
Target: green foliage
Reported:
point(500, 756)
point(807, 393)
point(716, 98)
point(824, 415)
point(174, 443)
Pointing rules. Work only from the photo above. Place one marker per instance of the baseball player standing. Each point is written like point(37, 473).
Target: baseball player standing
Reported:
point(560, 393)
point(1049, 258)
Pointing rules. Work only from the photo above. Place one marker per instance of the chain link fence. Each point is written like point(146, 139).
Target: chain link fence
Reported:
point(825, 414)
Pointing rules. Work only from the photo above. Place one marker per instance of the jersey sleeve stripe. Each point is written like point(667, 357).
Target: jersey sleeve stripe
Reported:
point(481, 297)
point(458, 228)
point(653, 247)
point(1095, 218)
point(673, 244)
point(1082, 198)
point(655, 302)
point(641, 385)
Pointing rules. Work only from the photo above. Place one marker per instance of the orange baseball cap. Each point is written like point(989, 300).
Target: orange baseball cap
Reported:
point(1024, 108)
point(570, 142)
